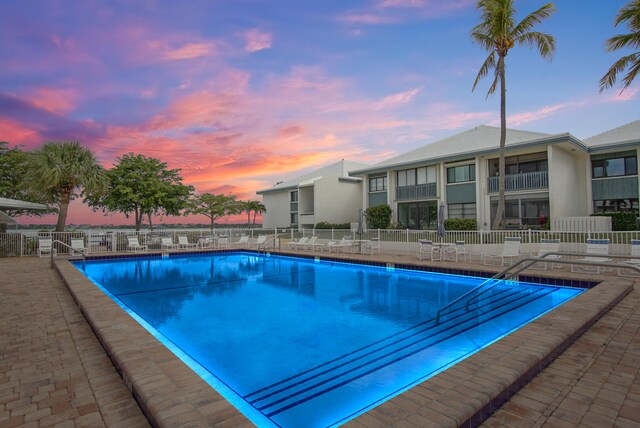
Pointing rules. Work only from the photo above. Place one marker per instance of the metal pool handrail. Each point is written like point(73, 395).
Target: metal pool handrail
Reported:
point(530, 261)
point(84, 257)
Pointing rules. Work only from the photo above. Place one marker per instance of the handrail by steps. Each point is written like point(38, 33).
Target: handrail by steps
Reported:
point(73, 250)
point(530, 261)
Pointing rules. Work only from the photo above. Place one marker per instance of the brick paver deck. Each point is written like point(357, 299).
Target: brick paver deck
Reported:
point(54, 372)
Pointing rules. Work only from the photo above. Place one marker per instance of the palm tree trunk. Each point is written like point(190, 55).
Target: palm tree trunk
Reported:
point(212, 223)
point(255, 213)
point(498, 221)
point(65, 197)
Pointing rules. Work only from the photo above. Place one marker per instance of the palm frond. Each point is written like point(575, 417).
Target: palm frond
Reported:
point(633, 72)
point(485, 41)
point(531, 20)
point(489, 64)
point(623, 40)
point(629, 12)
point(546, 43)
point(611, 76)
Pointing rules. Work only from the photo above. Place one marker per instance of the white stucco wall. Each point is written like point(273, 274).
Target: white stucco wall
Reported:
point(337, 201)
point(278, 212)
point(567, 183)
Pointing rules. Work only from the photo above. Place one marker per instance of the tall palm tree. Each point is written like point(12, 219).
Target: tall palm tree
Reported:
point(257, 207)
point(497, 33)
point(59, 170)
point(629, 13)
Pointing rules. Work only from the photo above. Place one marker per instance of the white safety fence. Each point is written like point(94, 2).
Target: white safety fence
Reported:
point(399, 242)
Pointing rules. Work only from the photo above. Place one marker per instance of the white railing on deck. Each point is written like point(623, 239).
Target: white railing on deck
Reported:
point(399, 242)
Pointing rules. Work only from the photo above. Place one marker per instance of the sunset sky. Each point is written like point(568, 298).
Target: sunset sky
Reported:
point(241, 94)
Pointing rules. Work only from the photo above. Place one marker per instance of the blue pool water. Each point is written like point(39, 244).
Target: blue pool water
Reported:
point(302, 343)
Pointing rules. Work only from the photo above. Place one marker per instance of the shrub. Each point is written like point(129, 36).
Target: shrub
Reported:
point(624, 220)
point(327, 225)
point(461, 224)
point(378, 216)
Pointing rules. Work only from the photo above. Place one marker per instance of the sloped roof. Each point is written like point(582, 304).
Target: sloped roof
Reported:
point(340, 169)
point(14, 204)
point(625, 134)
point(471, 142)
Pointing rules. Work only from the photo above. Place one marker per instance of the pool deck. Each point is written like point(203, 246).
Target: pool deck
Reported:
point(54, 370)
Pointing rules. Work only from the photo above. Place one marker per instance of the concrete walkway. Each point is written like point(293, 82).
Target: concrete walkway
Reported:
point(594, 383)
point(53, 371)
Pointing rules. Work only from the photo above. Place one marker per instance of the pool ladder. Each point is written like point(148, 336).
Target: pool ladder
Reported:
point(72, 252)
point(526, 263)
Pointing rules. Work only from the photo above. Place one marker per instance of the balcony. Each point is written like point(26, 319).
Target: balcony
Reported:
point(421, 191)
point(518, 182)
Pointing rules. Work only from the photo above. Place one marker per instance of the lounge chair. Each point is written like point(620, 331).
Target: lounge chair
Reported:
point(260, 241)
point(45, 246)
point(134, 245)
point(183, 242)
point(510, 251)
point(339, 246)
point(635, 252)
point(243, 241)
point(294, 244)
point(77, 246)
point(596, 249)
point(309, 244)
point(206, 242)
point(455, 252)
point(167, 243)
point(428, 251)
point(549, 246)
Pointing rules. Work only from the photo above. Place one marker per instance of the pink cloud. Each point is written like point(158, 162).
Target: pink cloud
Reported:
point(519, 119)
point(628, 95)
point(397, 99)
point(54, 100)
point(257, 40)
point(190, 51)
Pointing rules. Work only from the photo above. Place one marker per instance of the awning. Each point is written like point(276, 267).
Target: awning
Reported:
point(14, 204)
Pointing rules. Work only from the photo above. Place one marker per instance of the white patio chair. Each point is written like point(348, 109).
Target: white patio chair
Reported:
point(549, 246)
point(428, 250)
point(77, 246)
point(596, 249)
point(339, 246)
point(510, 251)
point(183, 242)
point(308, 245)
point(167, 243)
point(134, 245)
point(635, 252)
point(45, 247)
point(260, 241)
point(294, 244)
point(372, 246)
point(455, 252)
point(243, 241)
point(223, 242)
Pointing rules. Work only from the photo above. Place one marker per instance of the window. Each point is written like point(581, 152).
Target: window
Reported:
point(532, 162)
point(615, 166)
point(293, 197)
point(610, 205)
point(411, 177)
point(418, 215)
point(524, 212)
point(378, 184)
point(462, 210)
point(461, 174)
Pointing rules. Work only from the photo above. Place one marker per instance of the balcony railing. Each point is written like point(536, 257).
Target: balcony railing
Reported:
point(421, 191)
point(517, 182)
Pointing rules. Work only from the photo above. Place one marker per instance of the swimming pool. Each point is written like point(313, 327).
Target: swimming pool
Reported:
point(294, 342)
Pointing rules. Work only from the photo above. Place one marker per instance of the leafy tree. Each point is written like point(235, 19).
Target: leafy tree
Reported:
point(214, 206)
point(629, 13)
point(497, 33)
point(142, 186)
point(14, 165)
point(59, 172)
point(378, 216)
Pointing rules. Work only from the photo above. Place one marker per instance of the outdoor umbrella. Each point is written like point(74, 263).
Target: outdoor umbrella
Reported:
point(441, 221)
point(360, 229)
